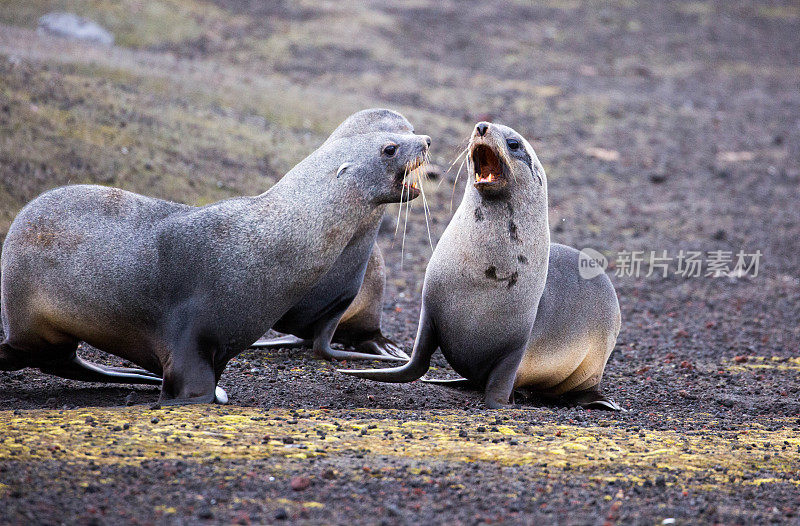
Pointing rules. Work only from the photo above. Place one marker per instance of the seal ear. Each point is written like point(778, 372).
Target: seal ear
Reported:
point(342, 169)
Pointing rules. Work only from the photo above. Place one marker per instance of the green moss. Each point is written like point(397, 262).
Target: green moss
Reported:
point(786, 12)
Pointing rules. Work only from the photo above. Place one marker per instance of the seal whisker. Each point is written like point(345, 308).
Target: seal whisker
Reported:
point(400, 209)
point(426, 211)
point(405, 226)
point(464, 151)
point(455, 182)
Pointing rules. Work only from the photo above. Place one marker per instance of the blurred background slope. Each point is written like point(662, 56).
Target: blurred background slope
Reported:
point(203, 100)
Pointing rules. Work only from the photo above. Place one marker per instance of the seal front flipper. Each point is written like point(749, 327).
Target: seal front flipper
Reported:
point(334, 354)
point(374, 349)
point(500, 384)
point(322, 345)
point(190, 377)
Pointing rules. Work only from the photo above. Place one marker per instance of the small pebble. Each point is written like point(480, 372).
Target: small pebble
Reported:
point(300, 483)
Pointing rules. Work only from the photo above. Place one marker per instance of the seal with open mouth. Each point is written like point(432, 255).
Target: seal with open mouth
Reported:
point(509, 309)
point(180, 290)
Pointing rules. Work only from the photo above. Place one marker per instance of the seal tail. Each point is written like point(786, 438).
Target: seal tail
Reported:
point(79, 369)
point(417, 366)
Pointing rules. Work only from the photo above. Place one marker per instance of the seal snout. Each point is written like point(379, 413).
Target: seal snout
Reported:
point(412, 172)
point(481, 128)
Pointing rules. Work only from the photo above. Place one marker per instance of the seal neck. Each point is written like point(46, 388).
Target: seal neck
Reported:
point(527, 206)
point(318, 213)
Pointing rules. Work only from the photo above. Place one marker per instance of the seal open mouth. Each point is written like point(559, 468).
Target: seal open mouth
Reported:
point(489, 168)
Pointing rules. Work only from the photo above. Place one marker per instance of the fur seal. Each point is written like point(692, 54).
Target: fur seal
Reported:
point(508, 309)
point(180, 290)
point(352, 291)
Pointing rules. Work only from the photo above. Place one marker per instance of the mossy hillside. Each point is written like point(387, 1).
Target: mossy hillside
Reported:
point(134, 23)
point(63, 125)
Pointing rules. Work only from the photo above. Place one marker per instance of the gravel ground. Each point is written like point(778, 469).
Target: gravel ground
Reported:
point(662, 127)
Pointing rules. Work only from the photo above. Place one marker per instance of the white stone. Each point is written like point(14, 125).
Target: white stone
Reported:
point(220, 395)
point(70, 25)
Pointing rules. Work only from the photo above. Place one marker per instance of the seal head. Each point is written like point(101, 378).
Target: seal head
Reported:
point(498, 158)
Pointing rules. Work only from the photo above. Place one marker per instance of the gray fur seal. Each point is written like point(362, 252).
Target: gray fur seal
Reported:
point(180, 290)
point(352, 291)
point(508, 309)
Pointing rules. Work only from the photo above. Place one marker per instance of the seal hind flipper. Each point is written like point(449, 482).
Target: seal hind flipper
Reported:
point(591, 399)
point(287, 341)
point(424, 347)
point(79, 369)
point(455, 383)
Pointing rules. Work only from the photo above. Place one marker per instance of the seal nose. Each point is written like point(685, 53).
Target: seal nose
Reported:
point(427, 141)
point(482, 127)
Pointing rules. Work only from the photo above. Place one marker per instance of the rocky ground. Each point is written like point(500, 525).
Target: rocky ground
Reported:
point(662, 127)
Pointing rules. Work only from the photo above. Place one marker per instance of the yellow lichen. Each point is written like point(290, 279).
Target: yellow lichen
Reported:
point(703, 458)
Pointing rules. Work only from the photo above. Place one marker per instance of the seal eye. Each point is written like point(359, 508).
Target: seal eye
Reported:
point(513, 144)
point(389, 150)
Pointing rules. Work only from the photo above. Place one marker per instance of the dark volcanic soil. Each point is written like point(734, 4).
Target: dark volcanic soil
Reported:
point(662, 127)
